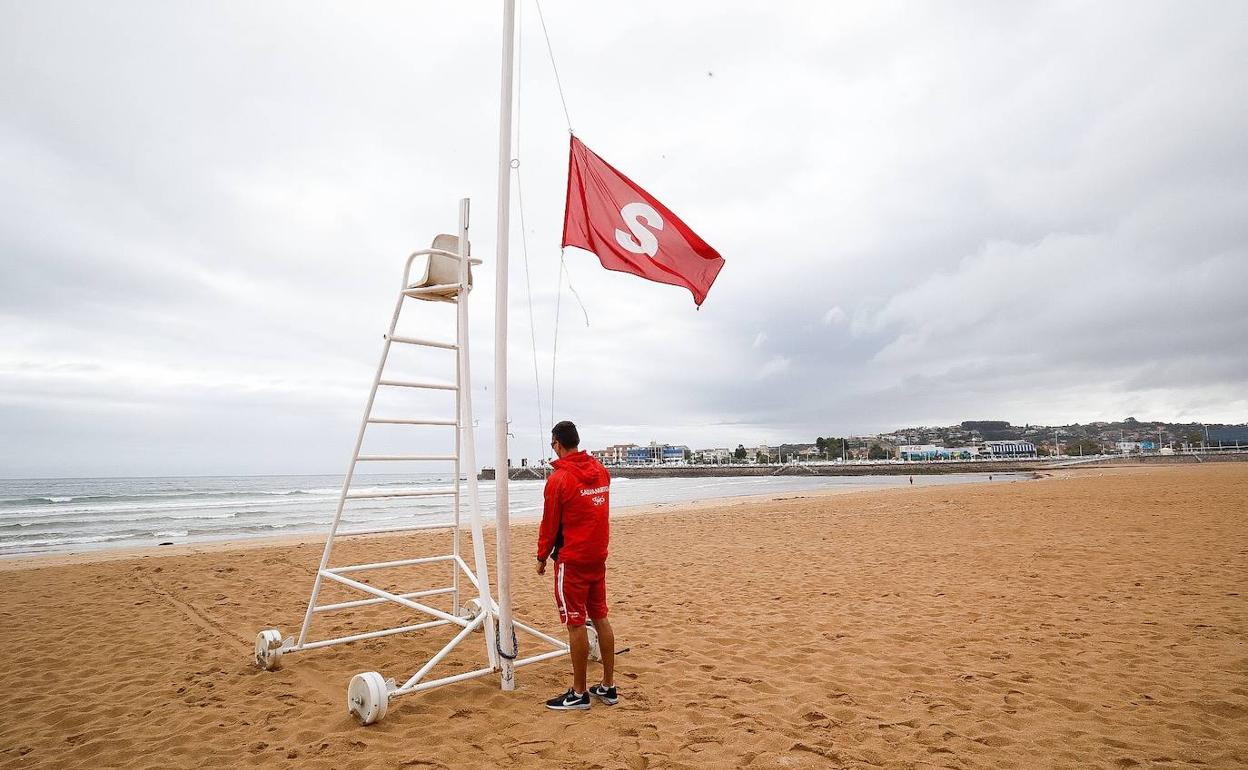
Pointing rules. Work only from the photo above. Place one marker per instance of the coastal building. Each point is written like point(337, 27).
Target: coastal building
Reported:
point(616, 454)
point(639, 455)
point(1224, 435)
point(933, 452)
point(712, 456)
point(998, 450)
point(793, 452)
point(762, 454)
point(675, 454)
point(917, 452)
point(655, 454)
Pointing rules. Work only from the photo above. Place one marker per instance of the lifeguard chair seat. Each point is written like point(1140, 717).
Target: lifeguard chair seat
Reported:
point(439, 275)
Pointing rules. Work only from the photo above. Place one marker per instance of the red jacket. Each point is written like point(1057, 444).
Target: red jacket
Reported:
point(575, 517)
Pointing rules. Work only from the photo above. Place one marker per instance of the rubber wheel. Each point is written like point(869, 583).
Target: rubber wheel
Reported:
point(595, 651)
point(269, 649)
point(368, 697)
point(470, 610)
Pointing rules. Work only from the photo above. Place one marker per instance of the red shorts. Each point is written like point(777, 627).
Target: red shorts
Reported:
point(580, 592)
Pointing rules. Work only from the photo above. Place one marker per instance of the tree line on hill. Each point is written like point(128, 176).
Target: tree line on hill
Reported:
point(1071, 440)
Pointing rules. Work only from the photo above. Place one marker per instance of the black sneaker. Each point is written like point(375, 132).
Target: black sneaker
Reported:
point(605, 694)
point(569, 701)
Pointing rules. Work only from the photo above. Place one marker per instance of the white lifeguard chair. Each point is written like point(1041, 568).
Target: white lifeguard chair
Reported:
point(444, 275)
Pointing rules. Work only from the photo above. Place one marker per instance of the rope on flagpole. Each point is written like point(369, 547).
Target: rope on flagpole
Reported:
point(543, 450)
point(563, 265)
point(554, 348)
point(550, 50)
point(576, 294)
point(528, 291)
point(568, 117)
point(524, 242)
point(554, 353)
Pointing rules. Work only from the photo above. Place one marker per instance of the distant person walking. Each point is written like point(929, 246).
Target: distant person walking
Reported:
point(575, 531)
point(912, 481)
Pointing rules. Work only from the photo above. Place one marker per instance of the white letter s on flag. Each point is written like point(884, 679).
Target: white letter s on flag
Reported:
point(643, 241)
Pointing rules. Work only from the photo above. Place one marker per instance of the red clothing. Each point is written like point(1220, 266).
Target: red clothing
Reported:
point(580, 592)
point(575, 518)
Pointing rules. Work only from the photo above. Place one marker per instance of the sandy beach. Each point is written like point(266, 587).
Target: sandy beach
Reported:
point(1094, 619)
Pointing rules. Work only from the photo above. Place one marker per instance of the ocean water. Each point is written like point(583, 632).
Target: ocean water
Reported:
point(68, 515)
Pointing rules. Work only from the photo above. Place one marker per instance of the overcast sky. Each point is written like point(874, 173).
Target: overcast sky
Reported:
point(1035, 212)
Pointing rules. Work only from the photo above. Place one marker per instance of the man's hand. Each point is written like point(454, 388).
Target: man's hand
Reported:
point(541, 567)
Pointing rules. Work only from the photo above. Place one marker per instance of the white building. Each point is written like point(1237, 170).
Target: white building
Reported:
point(613, 455)
point(1008, 449)
point(932, 452)
point(917, 452)
point(712, 456)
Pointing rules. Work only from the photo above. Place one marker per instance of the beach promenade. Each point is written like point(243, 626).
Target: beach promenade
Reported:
point(1094, 619)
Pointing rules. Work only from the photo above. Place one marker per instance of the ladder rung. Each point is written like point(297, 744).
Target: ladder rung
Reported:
point(440, 288)
point(414, 528)
point(425, 385)
point(368, 602)
point(404, 458)
point(400, 493)
point(422, 343)
point(396, 421)
point(387, 564)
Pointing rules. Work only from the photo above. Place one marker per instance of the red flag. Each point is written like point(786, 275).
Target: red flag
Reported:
point(630, 231)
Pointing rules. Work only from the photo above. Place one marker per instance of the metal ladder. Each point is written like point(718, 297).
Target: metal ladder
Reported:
point(270, 646)
point(447, 279)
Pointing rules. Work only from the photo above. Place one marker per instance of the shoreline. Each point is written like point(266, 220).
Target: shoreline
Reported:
point(18, 562)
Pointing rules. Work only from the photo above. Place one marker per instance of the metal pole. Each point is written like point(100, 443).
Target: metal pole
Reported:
point(502, 233)
point(460, 346)
point(469, 441)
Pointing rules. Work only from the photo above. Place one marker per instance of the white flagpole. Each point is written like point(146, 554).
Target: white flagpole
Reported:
point(502, 536)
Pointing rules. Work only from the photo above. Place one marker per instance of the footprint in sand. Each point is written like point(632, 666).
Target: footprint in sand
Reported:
point(1076, 706)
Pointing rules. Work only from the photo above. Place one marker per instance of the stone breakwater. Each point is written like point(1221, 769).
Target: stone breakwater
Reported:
point(727, 471)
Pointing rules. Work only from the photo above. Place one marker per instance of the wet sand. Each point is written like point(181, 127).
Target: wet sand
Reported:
point(1093, 619)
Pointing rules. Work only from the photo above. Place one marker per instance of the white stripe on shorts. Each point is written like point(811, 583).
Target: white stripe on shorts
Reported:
point(563, 603)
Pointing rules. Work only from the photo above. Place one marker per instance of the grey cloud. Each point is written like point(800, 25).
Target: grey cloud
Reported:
point(1020, 212)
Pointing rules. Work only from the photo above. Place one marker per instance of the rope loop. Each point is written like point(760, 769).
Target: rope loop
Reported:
point(498, 643)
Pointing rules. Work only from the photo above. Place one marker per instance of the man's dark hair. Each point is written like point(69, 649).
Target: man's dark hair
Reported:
point(565, 433)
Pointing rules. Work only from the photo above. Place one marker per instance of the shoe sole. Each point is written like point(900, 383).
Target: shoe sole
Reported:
point(606, 700)
point(577, 707)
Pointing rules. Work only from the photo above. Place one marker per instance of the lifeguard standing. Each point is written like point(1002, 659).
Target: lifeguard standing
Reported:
point(575, 532)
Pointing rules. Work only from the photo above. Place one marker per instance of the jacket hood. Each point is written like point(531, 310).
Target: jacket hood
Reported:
point(583, 466)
